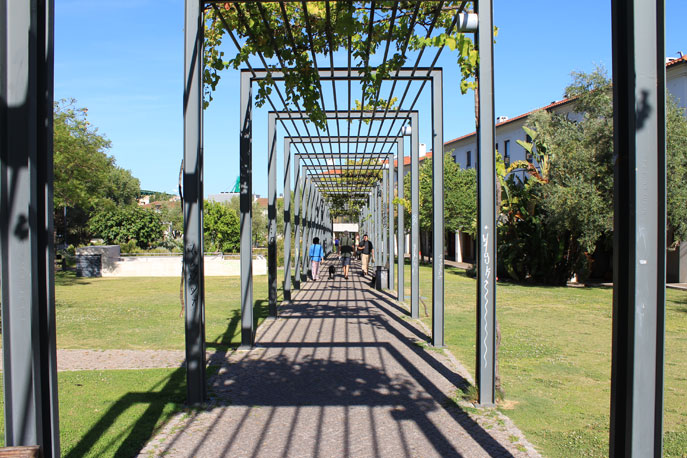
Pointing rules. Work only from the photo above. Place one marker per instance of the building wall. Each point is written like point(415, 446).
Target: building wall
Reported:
point(676, 82)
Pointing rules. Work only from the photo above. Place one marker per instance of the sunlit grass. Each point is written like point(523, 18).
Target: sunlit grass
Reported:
point(144, 313)
point(556, 359)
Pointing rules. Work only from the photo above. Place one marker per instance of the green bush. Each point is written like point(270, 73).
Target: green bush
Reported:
point(222, 230)
point(129, 227)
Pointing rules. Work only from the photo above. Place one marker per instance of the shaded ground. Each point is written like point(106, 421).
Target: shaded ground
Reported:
point(341, 372)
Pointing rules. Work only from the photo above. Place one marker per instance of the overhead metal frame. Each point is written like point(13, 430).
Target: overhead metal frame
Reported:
point(637, 383)
point(339, 188)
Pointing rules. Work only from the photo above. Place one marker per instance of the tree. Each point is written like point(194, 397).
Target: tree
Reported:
point(460, 196)
point(676, 174)
point(128, 224)
point(86, 179)
point(221, 227)
point(575, 192)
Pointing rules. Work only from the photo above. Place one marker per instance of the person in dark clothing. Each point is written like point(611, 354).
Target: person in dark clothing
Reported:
point(366, 251)
point(346, 249)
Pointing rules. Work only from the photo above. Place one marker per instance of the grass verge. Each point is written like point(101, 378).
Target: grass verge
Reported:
point(143, 313)
point(114, 413)
point(555, 360)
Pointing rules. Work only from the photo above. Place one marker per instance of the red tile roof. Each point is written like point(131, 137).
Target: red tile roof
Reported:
point(677, 60)
point(552, 105)
point(524, 115)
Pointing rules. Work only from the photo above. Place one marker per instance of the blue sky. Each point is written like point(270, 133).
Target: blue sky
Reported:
point(123, 60)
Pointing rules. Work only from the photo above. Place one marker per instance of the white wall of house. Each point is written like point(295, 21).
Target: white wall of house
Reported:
point(509, 131)
point(676, 81)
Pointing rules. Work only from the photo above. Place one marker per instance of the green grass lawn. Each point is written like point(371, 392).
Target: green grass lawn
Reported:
point(143, 313)
point(556, 360)
point(555, 357)
point(114, 413)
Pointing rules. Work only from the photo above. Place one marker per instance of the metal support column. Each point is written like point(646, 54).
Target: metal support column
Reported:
point(377, 229)
point(307, 237)
point(382, 218)
point(390, 238)
point(287, 220)
point(272, 217)
point(26, 225)
point(194, 275)
point(246, 205)
point(301, 197)
point(438, 210)
point(639, 243)
point(486, 209)
point(400, 240)
point(414, 221)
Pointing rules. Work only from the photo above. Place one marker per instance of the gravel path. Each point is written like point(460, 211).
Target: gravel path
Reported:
point(341, 372)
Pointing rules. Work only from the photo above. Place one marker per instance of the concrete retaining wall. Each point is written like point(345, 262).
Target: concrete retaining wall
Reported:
point(170, 266)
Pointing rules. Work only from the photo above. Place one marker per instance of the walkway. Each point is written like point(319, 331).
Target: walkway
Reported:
point(341, 372)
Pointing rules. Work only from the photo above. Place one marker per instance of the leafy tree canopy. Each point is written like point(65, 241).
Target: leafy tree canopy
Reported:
point(293, 33)
point(85, 177)
point(123, 224)
point(221, 227)
point(460, 194)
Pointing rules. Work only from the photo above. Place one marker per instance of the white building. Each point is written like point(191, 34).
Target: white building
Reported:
point(508, 131)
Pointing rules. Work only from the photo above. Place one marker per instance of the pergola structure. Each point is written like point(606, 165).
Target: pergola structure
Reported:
point(26, 209)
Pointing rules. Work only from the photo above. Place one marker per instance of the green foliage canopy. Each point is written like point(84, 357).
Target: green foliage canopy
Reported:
point(221, 227)
point(460, 194)
point(86, 179)
point(294, 33)
point(125, 224)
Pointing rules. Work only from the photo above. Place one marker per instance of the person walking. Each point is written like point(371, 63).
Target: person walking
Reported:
point(316, 254)
point(366, 251)
point(346, 249)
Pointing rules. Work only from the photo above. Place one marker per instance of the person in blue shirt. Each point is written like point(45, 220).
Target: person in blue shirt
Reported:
point(316, 254)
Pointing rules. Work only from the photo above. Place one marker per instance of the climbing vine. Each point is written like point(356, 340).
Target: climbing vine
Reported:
point(287, 36)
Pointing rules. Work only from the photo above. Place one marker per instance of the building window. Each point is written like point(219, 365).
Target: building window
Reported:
point(506, 152)
point(468, 163)
point(497, 147)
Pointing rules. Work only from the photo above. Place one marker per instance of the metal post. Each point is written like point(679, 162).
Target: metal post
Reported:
point(26, 225)
point(194, 284)
point(287, 220)
point(307, 202)
point(438, 210)
point(307, 237)
point(639, 229)
point(382, 218)
point(300, 211)
point(390, 201)
point(486, 209)
point(272, 216)
point(414, 220)
point(246, 203)
point(377, 230)
point(400, 295)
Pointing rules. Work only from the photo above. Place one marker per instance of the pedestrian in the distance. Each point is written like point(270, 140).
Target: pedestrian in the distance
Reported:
point(346, 247)
point(316, 254)
point(366, 252)
point(336, 246)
